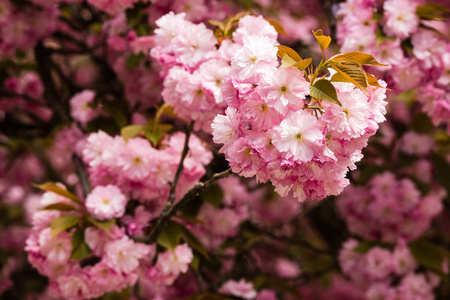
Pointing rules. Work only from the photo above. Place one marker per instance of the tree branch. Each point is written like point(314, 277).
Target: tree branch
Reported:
point(44, 65)
point(82, 174)
point(11, 94)
point(328, 8)
point(188, 197)
point(292, 241)
point(164, 216)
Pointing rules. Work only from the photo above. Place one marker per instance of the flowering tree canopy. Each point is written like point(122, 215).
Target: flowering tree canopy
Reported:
point(207, 149)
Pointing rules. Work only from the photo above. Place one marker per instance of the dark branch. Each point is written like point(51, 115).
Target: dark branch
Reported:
point(44, 66)
point(328, 8)
point(188, 197)
point(292, 241)
point(11, 94)
point(82, 174)
point(163, 218)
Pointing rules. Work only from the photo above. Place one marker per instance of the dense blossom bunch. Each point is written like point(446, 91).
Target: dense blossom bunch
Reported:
point(26, 84)
point(53, 255)
point(388, 208)
point(141, 81)
point(266, 126)
point(113, 7)
point(193, 68)
point(142, 171)
point(20, 28)
point(424, 67)
point(221, 222)
point(195, 10)
point(386, 274)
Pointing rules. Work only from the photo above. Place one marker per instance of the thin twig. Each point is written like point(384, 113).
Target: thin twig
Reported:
point(82, 174)
point(331, 19)
point(6, 93)
point(189, 196)
point(163, 219)
point(174, 183)
point(44, 65)
point(301, 243)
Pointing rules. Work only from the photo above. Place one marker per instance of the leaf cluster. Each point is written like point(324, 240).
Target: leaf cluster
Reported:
point(347, 67)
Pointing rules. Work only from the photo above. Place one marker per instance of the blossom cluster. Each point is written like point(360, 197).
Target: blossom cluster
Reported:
point(193, 68)
point(26, 84)
point(142, 85)
point(51, 253)
point(112, 7)
point(141, 171)
point(266, 125)
point(118, 260)
point(22, 27)
point(424, 68)
point(374, 273)
point(388, 208)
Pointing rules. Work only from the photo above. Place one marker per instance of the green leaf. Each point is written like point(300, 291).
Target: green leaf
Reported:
point(62, 223)
point(432, 11)
point(278, 27)
point(155, 135)
point(232, 20)
point(356, 57)
point(373, 81)
point(59, 206)
point(284, 50)
point(170, 236)
point(80, 249)
point(324, 90)
point(303, 64)
point(287, 61)
point(219, 24)
point(442, 170)
point(364, 247)
point(54, 188)
point(193, 241)
point(130, 131)
point(323, 40)
point(133, 61)
point(194, 263)
point(117, 114)
point(429, 255)
point(351, 72)
point(104, 225)
point(214, 195)
point(381, 37)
